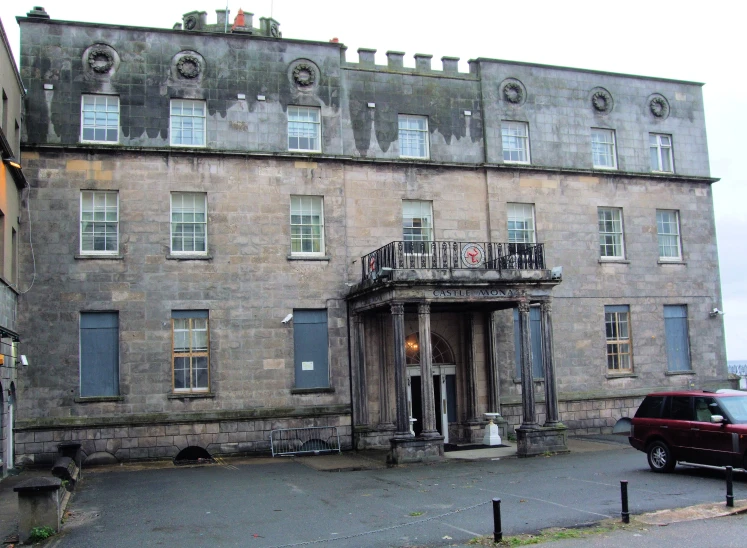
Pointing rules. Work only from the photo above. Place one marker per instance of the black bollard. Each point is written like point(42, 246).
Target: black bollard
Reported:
point(729, 487)
point(624, 494)
point(497, 532)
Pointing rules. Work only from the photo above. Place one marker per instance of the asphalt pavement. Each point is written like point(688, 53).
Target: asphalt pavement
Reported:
point(353, 500)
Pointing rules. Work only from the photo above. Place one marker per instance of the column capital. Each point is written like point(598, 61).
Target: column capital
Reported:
point(524, 306)
point(397, 308)
point(424, 308)
point(546, 306)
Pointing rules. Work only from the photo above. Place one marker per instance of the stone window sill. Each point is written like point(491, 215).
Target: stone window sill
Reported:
point(190, 395)
point(674, 373)
point(321, 390)
point(613, 261)
point(680, 262)
point(308, 258)
point(621, 376)
point(98, 399)
point(117, 257)
point(189, 257)
point(517, 380)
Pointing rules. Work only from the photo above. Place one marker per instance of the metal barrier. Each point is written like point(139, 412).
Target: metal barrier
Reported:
point(296, 441)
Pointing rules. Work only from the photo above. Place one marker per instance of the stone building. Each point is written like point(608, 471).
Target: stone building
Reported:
point(238, 232)
point(12, 185)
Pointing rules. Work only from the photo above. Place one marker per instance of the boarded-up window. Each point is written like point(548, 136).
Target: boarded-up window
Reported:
point(535, 335)
point(678, 343)
point(310, 348)
point(99, 354)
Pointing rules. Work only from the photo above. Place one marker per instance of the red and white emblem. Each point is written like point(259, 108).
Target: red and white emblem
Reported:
point(473, 255)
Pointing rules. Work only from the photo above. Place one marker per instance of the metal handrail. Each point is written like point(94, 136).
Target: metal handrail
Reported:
point(448, 255)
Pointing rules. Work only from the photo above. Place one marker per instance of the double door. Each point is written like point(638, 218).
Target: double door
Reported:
point(444, 398)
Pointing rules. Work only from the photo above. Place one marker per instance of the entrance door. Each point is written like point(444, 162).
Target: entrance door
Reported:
point(444, 397)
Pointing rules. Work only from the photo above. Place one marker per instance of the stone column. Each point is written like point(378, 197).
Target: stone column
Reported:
point(471, 369)
point(529, 419)
point(385, 417)
point(426, 372)
point(361, 389)
point(400, 370)
point(551, 389)
point(494, 398)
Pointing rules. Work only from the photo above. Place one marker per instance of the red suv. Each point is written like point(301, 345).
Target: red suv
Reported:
point(692, 427)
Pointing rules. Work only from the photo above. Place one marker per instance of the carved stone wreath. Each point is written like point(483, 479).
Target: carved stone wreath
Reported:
point(659, 107)
point(304, 75)
point(190, 23)
point(601, 100)
point(275, 31)
point(188, 66)
point(100, 60)
point(513, 93)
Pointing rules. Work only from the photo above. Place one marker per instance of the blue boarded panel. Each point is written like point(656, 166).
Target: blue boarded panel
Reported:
point(535, 336)
point(678, 342)
point(310, 348)
point(99, 354)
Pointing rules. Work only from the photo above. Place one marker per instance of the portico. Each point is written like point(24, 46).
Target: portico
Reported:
point(398, 316)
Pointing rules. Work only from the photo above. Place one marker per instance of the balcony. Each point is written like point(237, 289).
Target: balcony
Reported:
point(455, 261)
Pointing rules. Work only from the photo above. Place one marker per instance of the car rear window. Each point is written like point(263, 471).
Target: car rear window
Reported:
point(651, 407)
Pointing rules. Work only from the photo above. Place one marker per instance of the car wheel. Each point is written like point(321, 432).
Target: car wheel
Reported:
point(660, 457)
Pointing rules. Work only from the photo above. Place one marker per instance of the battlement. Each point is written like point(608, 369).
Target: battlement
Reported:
point(395, 63)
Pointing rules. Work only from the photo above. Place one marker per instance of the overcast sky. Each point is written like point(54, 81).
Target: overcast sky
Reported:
point(669, 39)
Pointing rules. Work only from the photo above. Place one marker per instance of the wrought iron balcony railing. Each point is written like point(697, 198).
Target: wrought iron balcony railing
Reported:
point(452, 255)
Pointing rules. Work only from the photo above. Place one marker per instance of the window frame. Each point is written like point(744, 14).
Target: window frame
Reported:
point(524, 219)
point(602, 234)
point(412, 132)
point(190, 316)
point(302, 239)
point(660, 148)
point(83, 125)
point(677, 236)
point(613, 315)
point(317, 125)
point(409, 241)
point(610, 145)
point(506, 126)
point(181, 117)
point(104, 252)
point(172, 224)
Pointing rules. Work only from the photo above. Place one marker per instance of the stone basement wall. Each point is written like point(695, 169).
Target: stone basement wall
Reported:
point(165, 441)
point(582, 417)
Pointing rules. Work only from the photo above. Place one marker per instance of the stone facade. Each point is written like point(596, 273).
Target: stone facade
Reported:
point(249, 279)
point(12, 185)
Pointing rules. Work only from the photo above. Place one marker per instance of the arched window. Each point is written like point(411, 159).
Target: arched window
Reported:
point(440, 349)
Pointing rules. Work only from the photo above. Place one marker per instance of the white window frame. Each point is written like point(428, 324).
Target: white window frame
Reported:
point(413, 227)
point(515, 139)
point(611, 233)
point(668, 234)
point(185, 116)
point(303, 210)
point(106, 119)
point(173, 224)
point(660, 147)
point(619, 339)
point(603, 146)
point(190, 325)
point(305, 123)
point(99, 214)
point(410, 133)
point(521, 221)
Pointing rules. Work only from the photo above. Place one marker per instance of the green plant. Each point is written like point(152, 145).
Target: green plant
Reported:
point(41, 533)
point(416, 514)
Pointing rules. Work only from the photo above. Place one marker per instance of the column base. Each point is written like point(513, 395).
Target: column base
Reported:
point(539, 440)
point(408, 450)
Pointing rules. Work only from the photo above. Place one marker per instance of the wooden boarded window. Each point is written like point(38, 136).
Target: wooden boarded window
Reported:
point(310, 348)
point(99, 354)
point(535, 337)
point(678, 342)
point(190, 350)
